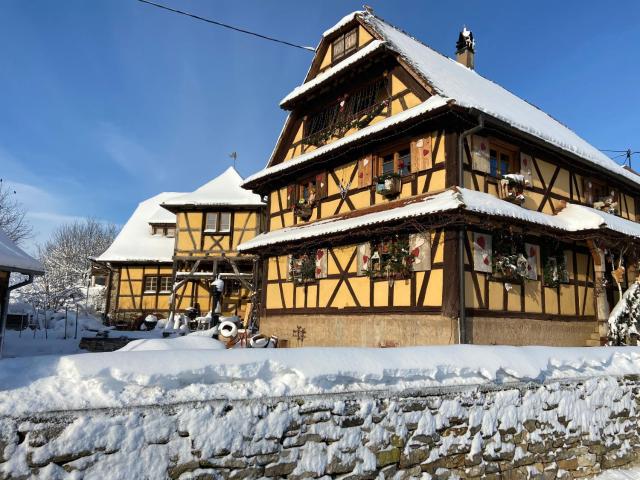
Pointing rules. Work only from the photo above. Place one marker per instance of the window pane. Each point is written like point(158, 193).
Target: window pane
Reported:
point(171, 232)
point(150, 284)
point(165, 284)
point(225, 222)
point(154, 230)
point(387, 164)
point(350, 41)
point(211, 223)
point(404, 162)
point(338, 47)
point(504, 163)
point(493, 163)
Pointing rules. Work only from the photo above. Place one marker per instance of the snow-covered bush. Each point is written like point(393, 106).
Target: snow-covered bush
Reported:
point(623, 320)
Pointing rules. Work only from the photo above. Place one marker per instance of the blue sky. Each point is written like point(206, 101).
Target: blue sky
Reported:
point(105, 103)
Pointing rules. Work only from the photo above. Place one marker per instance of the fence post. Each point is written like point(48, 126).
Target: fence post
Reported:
point(77, 310)
point(66, 315)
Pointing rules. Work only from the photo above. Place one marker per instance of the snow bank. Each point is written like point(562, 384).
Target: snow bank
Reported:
point(189, 342)
point(138, 377)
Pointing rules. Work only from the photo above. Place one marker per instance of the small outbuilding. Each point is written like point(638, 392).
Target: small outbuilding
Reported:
point(13, 259)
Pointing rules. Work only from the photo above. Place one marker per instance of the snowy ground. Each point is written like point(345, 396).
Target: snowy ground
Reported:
point(194, 367)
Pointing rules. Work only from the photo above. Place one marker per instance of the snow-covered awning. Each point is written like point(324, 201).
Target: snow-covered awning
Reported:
point(224, 190)
point(14, 259)
point(329, 73)
point(573, 218)
point(136, 243)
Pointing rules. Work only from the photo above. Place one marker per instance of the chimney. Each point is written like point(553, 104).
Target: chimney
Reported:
point(465, 48)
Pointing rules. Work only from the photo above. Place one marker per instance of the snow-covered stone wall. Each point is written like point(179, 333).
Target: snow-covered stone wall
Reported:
point(565, 429)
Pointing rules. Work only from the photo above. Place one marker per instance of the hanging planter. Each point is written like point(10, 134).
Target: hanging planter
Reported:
point(303, 269)
point(513, 267)
point(512, 188)
point(555, 271)
point(389, 185)
point(607, 204)
point(303, 210)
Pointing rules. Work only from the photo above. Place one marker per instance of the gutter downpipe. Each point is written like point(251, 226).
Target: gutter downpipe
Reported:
point(5, 310)
point(462, 231)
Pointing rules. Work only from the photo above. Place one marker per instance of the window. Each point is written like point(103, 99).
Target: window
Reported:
point(165, 284)
point(501, 161)
point(396, 163)
point(211, 223)
point(219, 222)
point(344, 44)
point(390, 258)
point(308, 191)
point(163, 230)
point(232, 288)
point(150, 284)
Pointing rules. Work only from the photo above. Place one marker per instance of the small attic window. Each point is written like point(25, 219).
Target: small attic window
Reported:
point(344, 45)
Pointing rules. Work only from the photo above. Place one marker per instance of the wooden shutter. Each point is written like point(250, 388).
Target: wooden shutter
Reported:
point(480, 154)
point(526, 164)
point(365, 171)
point(291, 196)
point(533, 254)
point(364, 254)
point(321, 263)
point(482, 253)
point(420, 250)
point(421, 154)
point(321, 185)
point(289, 267)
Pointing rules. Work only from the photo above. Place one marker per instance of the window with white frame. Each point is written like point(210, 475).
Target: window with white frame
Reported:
point(165, 284)
point(150, 284)
point(217, 222)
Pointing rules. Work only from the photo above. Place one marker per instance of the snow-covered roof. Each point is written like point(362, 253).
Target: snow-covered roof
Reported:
point(429, 105)
point(224, 190)
point(458, 84)
point(135, 242)
point(573, 218)
point(342, 22)
point(332, 71)
point(14, 259)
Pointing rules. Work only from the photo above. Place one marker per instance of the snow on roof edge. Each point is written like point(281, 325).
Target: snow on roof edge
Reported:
point(432, 103)
point(14, 259)
point(342, 22)
point(572, 218)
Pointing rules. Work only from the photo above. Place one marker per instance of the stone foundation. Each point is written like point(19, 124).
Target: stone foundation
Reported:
point(560, 430)
point(523, 331)
point(366, 330)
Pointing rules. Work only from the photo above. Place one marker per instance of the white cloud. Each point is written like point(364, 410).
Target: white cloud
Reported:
point(132, 156)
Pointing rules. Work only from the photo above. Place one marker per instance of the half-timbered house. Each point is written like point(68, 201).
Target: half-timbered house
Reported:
point(413, 201)
point(139, 262)
point(210, 224)
point(175, 244)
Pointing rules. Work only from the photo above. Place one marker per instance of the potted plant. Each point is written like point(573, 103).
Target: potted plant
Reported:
point(391, 260)
point(512, 188)
point(389, 184)
point(303, 269)
point(303, 209)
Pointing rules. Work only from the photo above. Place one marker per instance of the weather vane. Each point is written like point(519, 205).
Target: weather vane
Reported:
point(234, 155)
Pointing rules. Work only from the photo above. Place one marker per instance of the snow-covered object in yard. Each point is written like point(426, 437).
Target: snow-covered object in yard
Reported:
point(572, 218)
point(14, 259)
point(151, 319)
point(330, 72)
point(624, 317)
point(223, 190)
point(188, 342)
point(430, 105)
point(135, 242)
point(151, 377)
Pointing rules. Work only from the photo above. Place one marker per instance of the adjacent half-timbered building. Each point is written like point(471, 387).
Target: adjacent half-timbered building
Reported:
point(139, 262)
point(210, 224)
point(175, 244)
point(411, 201)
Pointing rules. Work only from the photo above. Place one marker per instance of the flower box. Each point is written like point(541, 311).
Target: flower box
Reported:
point(389, 185)
point(512, 188)
point(303, 210)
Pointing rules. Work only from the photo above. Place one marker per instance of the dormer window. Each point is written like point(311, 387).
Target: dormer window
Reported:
point(344, 44)
point(163, 230)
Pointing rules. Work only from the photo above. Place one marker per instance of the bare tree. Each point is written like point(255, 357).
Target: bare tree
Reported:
point(66, 259)
point(12, 215)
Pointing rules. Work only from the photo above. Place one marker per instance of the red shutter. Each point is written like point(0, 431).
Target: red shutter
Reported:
point(291, 193)
point(321, 185)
